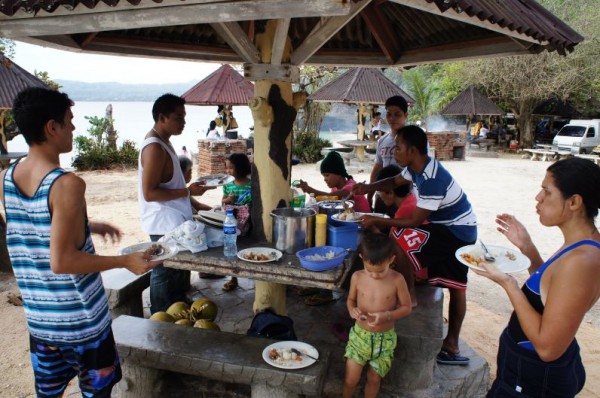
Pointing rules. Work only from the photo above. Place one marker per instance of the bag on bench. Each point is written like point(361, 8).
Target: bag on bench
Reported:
point(269, 325)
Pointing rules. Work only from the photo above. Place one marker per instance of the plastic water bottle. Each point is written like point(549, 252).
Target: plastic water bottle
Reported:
point(229, 235)
point(311, 203)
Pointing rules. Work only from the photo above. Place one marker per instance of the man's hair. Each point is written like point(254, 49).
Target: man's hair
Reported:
point(391, 171)
point(414, 136)
point(166, 104)
point(398, 101)
point(33, 107)
point(185, 163)
point(376, 248)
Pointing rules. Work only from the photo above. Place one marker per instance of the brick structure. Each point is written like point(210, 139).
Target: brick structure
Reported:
point(213, 153)
point(448, 144)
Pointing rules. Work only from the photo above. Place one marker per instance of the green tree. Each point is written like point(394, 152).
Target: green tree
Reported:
point(7, 47)
point(419, 84)
point(312, 113)
point(43, 76)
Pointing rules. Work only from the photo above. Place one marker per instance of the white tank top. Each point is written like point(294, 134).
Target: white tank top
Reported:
point(158, 218)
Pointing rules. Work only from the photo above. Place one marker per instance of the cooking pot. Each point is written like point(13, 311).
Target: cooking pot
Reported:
point(331, 207)
point(293, 228)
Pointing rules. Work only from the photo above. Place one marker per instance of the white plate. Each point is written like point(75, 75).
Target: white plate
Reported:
point(358, 215)
point(216, 180)
point(170, 250)
point(291, 363)
point(213, 215)
point(273, 254)
point(508, 260)
point(208, 221)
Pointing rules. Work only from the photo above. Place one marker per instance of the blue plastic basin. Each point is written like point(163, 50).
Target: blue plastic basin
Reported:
point(322, 265)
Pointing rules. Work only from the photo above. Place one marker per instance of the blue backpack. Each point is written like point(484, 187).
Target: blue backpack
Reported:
point(269, 325)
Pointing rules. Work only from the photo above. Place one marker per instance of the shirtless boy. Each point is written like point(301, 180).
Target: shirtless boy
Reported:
point(378, 297)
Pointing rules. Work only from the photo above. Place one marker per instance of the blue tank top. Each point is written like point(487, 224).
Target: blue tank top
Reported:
point(532, 292)
point(60, 308)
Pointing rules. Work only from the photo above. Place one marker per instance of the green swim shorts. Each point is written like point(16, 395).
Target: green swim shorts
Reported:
point(376, 348)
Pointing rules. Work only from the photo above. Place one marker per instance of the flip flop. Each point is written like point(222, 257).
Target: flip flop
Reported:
point(230, 285)
point(448, 358)
point(307, 291)
point(317, 299)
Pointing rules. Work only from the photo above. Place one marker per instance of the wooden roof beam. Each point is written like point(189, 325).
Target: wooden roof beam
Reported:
point(279, 41)
point(382, 31)
point(169, 12)
point(323, 31)
point(238, 40)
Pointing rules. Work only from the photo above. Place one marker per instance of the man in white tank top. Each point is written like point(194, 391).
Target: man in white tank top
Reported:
point(164, 198)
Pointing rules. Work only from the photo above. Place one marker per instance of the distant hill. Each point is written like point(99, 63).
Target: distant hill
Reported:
point(82, 91)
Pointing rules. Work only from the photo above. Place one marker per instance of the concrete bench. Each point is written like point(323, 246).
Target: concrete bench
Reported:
point(540, 154)
point(483, 143)
point(124, 291)
point(151, 350)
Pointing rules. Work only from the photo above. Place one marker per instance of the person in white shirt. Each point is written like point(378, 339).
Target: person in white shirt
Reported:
point(212, 132)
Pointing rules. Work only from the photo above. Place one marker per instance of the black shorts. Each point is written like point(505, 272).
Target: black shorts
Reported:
point(432, 246)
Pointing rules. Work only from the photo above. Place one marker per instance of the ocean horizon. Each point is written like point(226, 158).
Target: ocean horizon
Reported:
point(133, 120)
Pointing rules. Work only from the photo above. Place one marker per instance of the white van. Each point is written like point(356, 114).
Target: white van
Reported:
point(579, 136)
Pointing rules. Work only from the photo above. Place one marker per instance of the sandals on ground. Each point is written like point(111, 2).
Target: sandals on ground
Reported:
point(446, 357)
point(230, 285)
point(317, 299)
point(307, 291)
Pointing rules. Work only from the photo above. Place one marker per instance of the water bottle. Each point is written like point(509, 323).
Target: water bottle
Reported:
point(311, 203)
point(229, 234)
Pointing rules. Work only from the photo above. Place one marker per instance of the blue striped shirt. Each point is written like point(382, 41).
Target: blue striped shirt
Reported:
point(60, 308)
point(441, 194)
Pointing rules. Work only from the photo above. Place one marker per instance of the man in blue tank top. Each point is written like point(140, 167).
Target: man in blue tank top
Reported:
point(52, 254)
point(442, 222)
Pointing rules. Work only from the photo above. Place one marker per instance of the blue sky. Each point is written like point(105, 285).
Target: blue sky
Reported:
point(67, 65)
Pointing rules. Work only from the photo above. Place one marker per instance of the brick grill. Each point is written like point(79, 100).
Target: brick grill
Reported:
point(448, 144)
point(212, 155)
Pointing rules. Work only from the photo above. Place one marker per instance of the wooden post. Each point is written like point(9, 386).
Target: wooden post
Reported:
point(274, 111)
point(362, 113)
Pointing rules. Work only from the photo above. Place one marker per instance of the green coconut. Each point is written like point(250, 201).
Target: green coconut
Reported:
point(184, 322)
point(206, 324)
point(204, 309)
point(178, 310)
point(162, 316)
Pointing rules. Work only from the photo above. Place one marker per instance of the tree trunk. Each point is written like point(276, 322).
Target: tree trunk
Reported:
point(361, 113)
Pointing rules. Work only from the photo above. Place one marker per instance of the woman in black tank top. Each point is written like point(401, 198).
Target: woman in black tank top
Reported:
point(538, 353)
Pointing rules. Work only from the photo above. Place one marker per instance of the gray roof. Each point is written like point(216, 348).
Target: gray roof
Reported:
point(360, 85)
point(471, 102)
point(13, 79)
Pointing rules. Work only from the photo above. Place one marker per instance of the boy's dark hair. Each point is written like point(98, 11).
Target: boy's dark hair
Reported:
point(414, 136)
point(377, 114)
point(166, 104)
point(185, 163)
point(33, 107)
point(376, 248)
point(398, 101)
point(241, 164)
point(391, 171)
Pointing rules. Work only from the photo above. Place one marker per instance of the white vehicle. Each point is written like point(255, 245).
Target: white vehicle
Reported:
point(579, 136)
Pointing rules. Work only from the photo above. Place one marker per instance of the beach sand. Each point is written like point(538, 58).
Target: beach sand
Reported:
point(506, 184)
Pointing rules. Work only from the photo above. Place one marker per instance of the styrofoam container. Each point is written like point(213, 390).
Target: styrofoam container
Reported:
point(325, 264)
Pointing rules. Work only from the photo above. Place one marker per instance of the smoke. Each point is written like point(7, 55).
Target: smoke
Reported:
point(438, 123)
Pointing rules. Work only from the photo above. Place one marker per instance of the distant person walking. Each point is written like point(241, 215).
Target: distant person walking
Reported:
point(184, 152)
point(51, 250)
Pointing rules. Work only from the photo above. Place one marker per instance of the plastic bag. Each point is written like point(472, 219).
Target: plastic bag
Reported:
point(189, 235)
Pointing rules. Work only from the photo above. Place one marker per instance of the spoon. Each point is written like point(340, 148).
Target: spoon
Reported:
point(297, 352)
point(486, 254)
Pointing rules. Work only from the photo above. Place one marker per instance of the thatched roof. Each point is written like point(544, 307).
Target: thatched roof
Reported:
point(225, 86)
point(360, 86)
point(13, 79)
point(471, 102)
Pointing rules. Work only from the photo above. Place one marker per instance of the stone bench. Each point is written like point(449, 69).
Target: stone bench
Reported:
point(483, 143)
point(124, 291)
point(150, 351)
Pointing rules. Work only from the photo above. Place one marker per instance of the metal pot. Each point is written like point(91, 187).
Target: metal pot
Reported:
point(293, 229)
point(331, 207)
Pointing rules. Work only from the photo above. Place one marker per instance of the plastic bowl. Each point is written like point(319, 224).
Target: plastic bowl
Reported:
point(322, 265)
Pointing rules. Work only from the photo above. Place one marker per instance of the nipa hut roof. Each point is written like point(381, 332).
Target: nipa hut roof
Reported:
point(13, 79)
point(360, 86)
point(471, 102)
point(225, 86)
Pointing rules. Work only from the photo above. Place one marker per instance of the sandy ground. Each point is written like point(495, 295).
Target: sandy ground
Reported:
point(507, 184)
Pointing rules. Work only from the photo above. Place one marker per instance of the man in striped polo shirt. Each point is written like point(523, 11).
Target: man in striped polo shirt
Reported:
point(430, 247)
point(52, 254)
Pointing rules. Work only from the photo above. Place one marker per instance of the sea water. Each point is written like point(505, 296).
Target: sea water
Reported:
point(133, 120)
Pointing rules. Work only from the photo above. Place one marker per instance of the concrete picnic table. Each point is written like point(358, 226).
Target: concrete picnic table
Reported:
point(358, 147)
point(547, 154)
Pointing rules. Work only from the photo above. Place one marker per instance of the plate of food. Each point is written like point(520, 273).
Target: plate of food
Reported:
point(290, 354)
point(508, 260)
point(215, 180)
point(354, 216)
point(259, 254)
point(157, 250)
